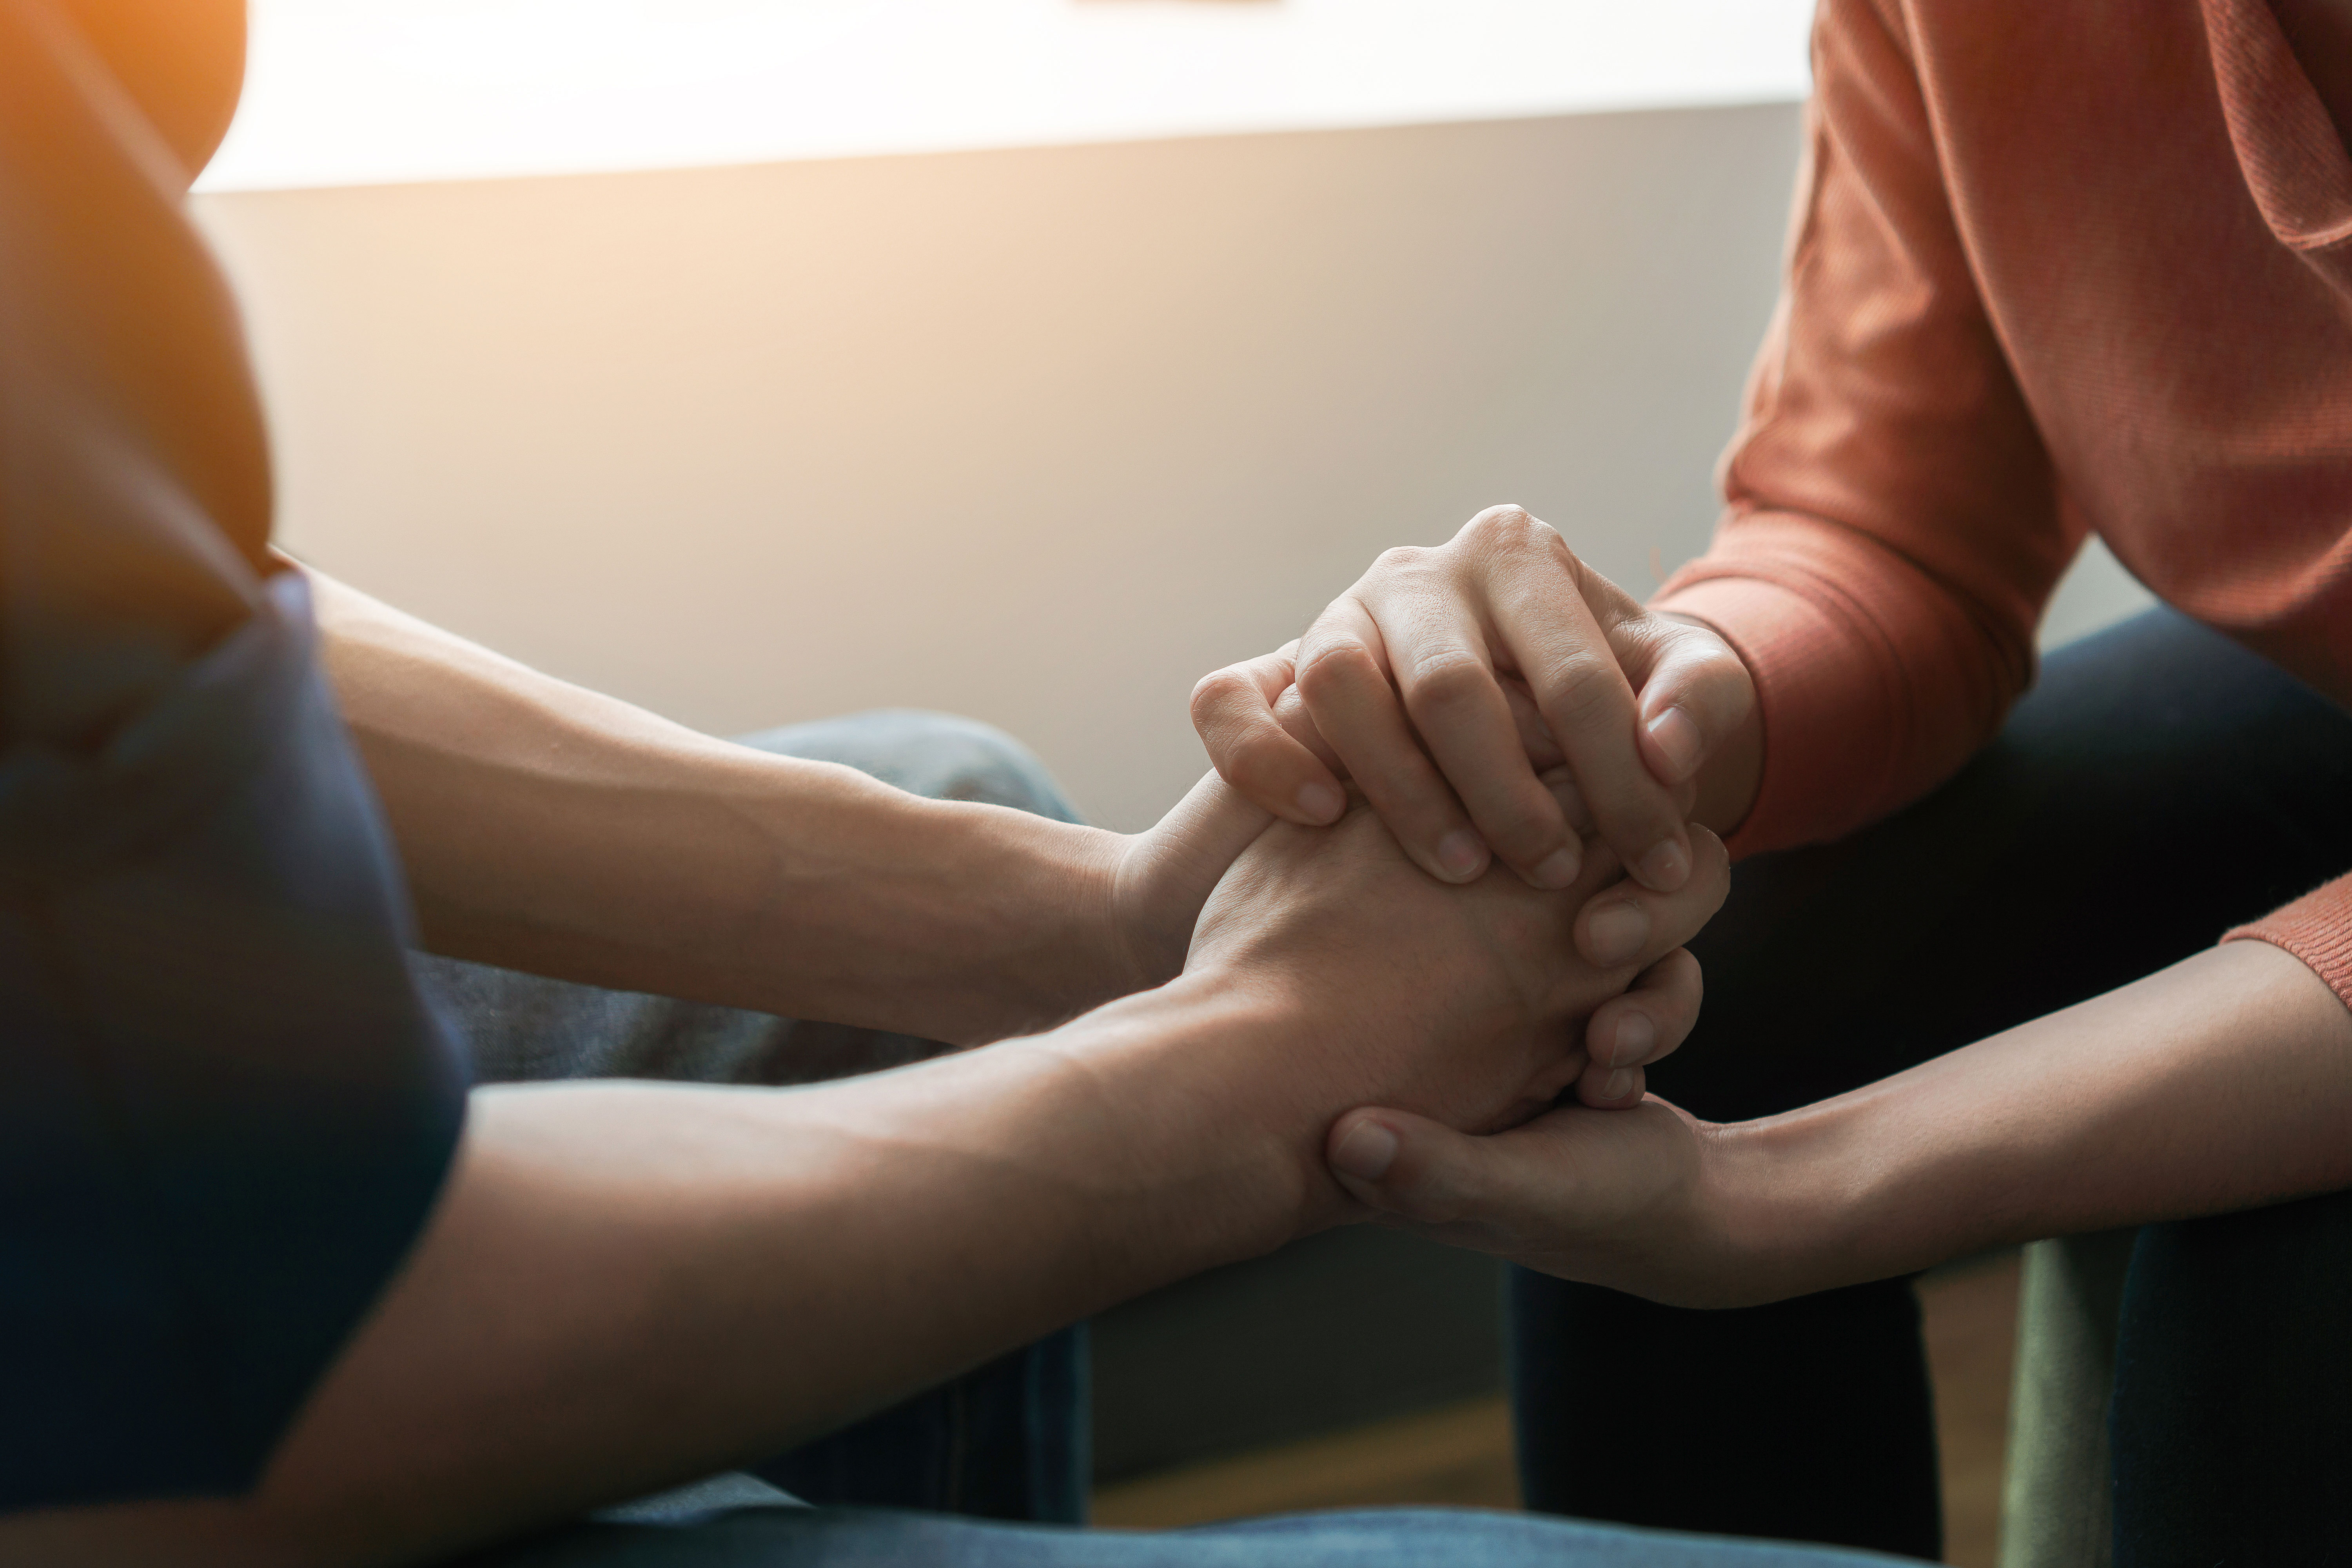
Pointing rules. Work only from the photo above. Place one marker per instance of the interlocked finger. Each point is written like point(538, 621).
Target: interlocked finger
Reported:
point(1234, 710)
point(1630, 1032)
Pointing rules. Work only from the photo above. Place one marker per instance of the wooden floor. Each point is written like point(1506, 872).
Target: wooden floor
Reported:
point(1461, 1455)
point(1971, 1323)
point(1458, 1456)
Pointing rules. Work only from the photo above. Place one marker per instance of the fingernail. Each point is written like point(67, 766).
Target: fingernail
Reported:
point(1665, 868)
point(1615, 932)
point(1677, 735)
point(1558, 868)
point(1366, 1152)
point(1620, 1084)
point(1320, 802)
point(1636, 1036)
point(1462, 853)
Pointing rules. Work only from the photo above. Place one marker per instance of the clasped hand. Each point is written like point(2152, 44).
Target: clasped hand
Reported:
point(1495, 699)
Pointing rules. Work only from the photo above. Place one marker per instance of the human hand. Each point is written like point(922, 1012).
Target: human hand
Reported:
point(1469, 1004)
point(1448, 680)
point(1649, 1200)
point(1156, 882)
point(2213, 1085)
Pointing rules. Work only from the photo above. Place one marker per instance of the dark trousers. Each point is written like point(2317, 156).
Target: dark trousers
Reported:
point(2158, 785)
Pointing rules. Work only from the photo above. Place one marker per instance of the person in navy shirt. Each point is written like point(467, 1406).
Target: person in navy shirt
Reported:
point(290, 883)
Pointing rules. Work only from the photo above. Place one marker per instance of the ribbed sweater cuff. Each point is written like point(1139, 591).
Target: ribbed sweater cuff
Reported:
point(2316, 929)
point(1823, 708)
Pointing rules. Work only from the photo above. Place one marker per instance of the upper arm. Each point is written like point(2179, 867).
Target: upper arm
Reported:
point(223, 1112)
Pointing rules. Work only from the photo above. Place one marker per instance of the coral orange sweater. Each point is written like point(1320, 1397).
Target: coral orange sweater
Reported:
point(2054, 270)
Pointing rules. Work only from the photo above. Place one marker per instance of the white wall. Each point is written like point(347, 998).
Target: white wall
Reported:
point(343, 92)
point(1038, 435)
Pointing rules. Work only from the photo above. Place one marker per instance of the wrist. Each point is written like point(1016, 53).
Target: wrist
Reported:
point(1083, 954)
point(1209, 1104)
point(1026, 902)
point(953, 920)
point(1848, 1190)
point(1810, 1200)
point(1782, 1206)
point(1109, 915)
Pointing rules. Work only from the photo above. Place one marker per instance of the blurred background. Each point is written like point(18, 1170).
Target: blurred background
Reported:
point(762, 359)
point(757, 360)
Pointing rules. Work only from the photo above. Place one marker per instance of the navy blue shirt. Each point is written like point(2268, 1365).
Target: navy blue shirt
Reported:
point(223, 1110)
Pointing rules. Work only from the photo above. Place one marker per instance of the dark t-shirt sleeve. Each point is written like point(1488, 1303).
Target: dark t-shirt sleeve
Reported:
point(223, 1110)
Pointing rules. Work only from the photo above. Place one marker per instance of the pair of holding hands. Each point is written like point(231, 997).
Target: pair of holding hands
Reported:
point(1496, 700)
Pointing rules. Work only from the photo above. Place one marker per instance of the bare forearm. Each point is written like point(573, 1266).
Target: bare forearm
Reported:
point(2222, 1083)
point(549, 828)
point(625, 1286)
point(630, 1286)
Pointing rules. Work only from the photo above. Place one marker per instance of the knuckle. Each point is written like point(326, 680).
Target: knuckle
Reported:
point(1247, 764)
point(1398, 561)
point(1495, 523)
point(1503, 521)
point(1514, 529)
point(1578, 687)
point(1699, 657)
point(1694, 653)
point(1674, 980)
point(1217, 689)
point(1330, 666)
point(1258, 770)
point(1714, 657)
point(1446, 681)
point(1522, 825)
point(1520, 840)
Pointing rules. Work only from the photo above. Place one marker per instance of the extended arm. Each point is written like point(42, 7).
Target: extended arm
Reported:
point(547, 828)
point(2222, 1083)
point(628, 1286)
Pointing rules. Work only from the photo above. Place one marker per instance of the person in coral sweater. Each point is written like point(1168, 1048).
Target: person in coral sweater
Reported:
point(2054, 270)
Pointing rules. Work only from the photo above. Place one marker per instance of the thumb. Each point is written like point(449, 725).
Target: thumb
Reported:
point(1203, 832)
point(1163, 878)
point(1426, 1174)
point(1694, 690)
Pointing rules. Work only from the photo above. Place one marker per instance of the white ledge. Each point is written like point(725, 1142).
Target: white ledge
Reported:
point(374, 91)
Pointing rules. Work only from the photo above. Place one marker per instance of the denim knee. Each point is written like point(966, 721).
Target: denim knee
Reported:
point(940, 755)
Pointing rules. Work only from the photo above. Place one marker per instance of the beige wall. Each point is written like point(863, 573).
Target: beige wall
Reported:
point(1036, 436)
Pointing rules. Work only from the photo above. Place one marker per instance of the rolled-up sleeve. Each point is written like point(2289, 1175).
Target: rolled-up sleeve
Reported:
point(2316, 929)
point(225, 1114)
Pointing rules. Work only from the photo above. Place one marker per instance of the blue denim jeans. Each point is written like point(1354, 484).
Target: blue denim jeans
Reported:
point(1010, 1440)
point(991, 1469)
point(1365, 1538)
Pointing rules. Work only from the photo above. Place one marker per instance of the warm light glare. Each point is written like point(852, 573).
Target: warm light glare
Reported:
point(361, 91)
